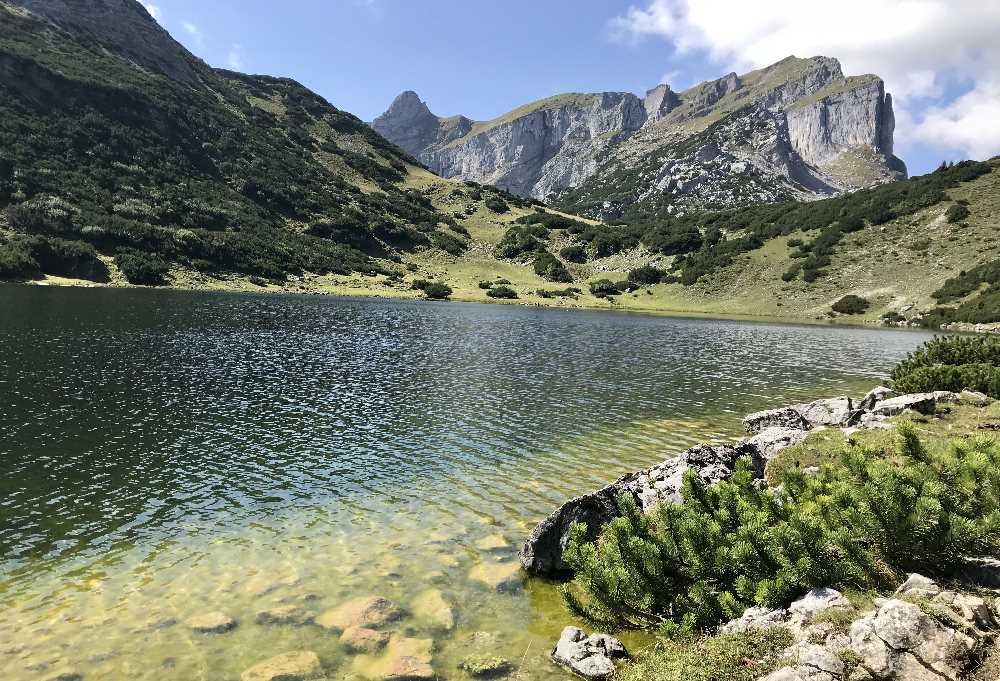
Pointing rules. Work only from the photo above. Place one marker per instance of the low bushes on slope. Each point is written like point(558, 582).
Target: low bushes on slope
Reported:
point(28, 257)
point(952, 363)
point(548, 267)
point(734, 545)
point(850, 304)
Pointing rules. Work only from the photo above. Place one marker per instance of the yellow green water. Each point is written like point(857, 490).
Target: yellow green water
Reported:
point(170, 454)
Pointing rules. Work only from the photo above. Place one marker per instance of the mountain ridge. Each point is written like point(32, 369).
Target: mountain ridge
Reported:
point(832, 134)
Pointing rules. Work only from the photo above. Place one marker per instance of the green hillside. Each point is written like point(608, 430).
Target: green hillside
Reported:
point(107, 167)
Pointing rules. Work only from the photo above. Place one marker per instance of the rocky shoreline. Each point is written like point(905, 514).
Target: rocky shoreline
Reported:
point(770, 432)
point(895, 639)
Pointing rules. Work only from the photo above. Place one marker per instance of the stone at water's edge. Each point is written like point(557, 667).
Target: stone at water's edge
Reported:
point(543, 551)
point(835, 411)
point(364, 640)
point(370, 611)
point(589, 656)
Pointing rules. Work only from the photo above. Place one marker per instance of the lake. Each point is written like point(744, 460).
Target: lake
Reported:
point(167, 454)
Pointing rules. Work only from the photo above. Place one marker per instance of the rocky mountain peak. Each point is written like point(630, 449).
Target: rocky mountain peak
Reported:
point(660, 101)
point(409, 123)
point(408, 105)
point(123, 27)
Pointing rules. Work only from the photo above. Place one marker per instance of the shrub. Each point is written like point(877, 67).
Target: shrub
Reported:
point(952, 363)
point(497, 205)
point(577, 254)
point(851, 304)
point(732, 545)
point(485, 285)
point(68, 258)
point(437, 290)
point(647, 274)
point(570, 292)
point(956, 213)
point(602, 288)
point(502, 292)
point(17, 261)
point(522, 239)
point(548, 267)
point(142, 268)
point(419, 284)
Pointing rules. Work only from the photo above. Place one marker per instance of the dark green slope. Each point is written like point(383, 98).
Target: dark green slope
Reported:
point(220, 171)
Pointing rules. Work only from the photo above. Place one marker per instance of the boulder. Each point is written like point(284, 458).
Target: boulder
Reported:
point(816, 601)
point(756, 618)
point(211, 623)
point(431, 607)
point(770, 441)
point(836, 411)
point(785, 417)
point(365, 611)
point(589, 656)
point(918, 586)
point(363, 639)
point(295, 666)
point(976, 399)
point(871, 421)
point(922, 403)
point(290, 615)
point(874, 396)
point(946, 397)
point(542, 552)
point(498, 576)
point(900, 641)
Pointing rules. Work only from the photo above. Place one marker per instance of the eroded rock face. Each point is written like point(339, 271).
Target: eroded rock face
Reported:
point(542, 552)
point(592, 657)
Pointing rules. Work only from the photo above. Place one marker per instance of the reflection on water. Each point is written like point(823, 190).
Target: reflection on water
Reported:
point(168, 454)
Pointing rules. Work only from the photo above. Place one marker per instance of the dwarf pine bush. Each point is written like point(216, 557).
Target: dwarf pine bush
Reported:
point(733, 545)
point(953, 363)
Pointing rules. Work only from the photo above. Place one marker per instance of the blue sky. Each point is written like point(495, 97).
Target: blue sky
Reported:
point(937, 56)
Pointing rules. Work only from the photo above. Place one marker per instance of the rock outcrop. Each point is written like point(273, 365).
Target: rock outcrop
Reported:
point(592, 657)
point(772, 431)
point(796, 129)
point(899, 640)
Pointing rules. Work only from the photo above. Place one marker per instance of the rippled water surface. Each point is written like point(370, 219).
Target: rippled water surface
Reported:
point(166, 454)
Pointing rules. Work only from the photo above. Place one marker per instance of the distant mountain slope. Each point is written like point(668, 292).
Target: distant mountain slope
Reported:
point(114, 137)
point(796, 129)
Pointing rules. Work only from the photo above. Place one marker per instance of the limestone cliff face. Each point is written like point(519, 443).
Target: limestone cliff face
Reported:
point(122, 26)
point(795, 129)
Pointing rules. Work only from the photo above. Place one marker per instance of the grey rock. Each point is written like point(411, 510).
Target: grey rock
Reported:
point(542, 552)
point(922, 403)
point(756, 618)
point(211, 623)
point(589, 656)
point(771, 441)
point(874, 396)
point(816, 601)
point(784, 417)
point(288, 615)
point(946, 397)
point(835, 411)
point(917, 585)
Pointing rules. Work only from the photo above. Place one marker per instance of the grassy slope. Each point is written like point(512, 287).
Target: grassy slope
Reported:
point(894, 266)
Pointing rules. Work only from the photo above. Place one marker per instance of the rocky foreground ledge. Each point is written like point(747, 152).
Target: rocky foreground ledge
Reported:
point(771, 431)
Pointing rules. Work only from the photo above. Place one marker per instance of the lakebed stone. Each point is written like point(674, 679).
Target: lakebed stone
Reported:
point(404, 659)
point(498, 576)
point(592, 657)
point(432, 607)
point(363, 639)
point(364, 611)
point(485, 666)
point(289, 615)
point(293, 666)
point(211, 623)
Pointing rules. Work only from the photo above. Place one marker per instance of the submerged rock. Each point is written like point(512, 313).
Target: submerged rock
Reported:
point(212, 623)
point(295, 666)
point(498, 576)
point(589, 656)
point(405, 659)
point(291, 615)
point(365, 611)
point(493, 542)
point(364, 640)
point(485, 666)
point(431, 607)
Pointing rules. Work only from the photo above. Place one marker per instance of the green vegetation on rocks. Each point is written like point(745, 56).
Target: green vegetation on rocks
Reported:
point(733, 545)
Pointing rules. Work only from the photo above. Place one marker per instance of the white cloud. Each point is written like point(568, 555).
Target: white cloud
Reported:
point(922, 48)
point(192, 29)
point(153, 10)
point(235, 59)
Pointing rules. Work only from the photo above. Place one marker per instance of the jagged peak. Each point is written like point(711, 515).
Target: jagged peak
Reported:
point(408, 104)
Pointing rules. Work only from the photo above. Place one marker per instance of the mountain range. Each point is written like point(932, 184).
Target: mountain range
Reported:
point(798, 129)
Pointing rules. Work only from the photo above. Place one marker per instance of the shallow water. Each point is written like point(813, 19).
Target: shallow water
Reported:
point(166, 454)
